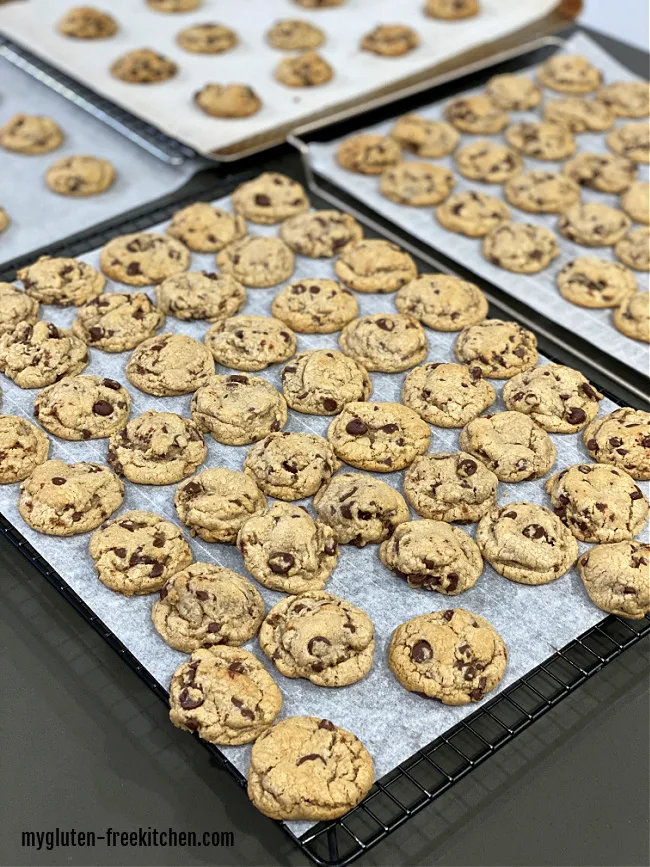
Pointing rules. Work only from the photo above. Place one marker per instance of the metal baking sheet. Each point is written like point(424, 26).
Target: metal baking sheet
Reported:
point(393, 724)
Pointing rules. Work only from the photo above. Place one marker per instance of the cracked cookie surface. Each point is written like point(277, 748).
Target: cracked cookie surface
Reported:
point(443, 302)
point(143, 66)
point(291, 465)
point(83, 407)
point(579, 115)
point(200, 295)
point(207, 38)
point(16, 308)
point(472, 214)
point(80, 175)
point(388, 342)
point(293, 34)
point(270, 198)
point(417, 185)
point(447, 395)
point(215, 503)
point(374, 265)
point(227, 100)
point(606, 173)
point(426, 138)
point(541, 140)
point(30, 134)
point(85, 22)
point(61, 281)
point(622, 439)
point(316, 306)
point(617, 578)
point(169, 364)
point(205, 228)
point(632, 317)
point(635, 201)
point(476, 114)
point(514, 92)
point(257, 261)
point(523, 248)
point(115, 321)
point(632, 140)
point(488, 161)
point(541, 192)
point(368, 154)
point(570, 73)
point(626, 98)
point(320, 234)
point(592, 282)
point(390, 40)
point(323, 381)
point(250, 342)
point(450, 486)
point(37, 355)
point(143, 258)
point(499, 349)
point(237, 409)
point(634, 249)
point(309, 69)
point(22, 448)
point(510, 444)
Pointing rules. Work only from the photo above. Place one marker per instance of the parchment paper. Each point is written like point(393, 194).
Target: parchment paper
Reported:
point(169, 105)
point(392, 723)
point(39, 216)
point(537, 290)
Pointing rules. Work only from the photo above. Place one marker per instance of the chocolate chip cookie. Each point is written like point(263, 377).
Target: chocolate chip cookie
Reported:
point(293, 34)
point(488, 161)
point(541, 140)
point(593, 224)
point(200, 295)
point(569, 73)
point(432, 555)
point(143, 258)
point(635, 201)
point(616, 578)
point(61, 281)
point(598, 502)
point(454, 656)
point(417, 185)
point(83, 407)
point(206, 228)
point(22, 448)
point(286, 550)
point(478, 114)
point(579, 115)
point(227, 100)
point(603, 172)
point(80, 176)
point(426, 138)
point(137, 552)
point(626, 98)
point(250, 342)
point(205, 605)
point(379, 437)
point(309, 69)
point(172, 6)
point(622, 439)
point(320, 234)
point(61, 499)
point(443, 302)
point(156, 448)
point(558, 398)
point(631, 318)
point(632, 140)
point(542, 192)
point(499, 349)
point(30, 134)
point(450, 486)
point(315, 306)
point(323, 381)
point(291, 465)
point(472, 214)
point(238, 409)
point(390, 40)
point(591, 282)
point(514, 92)
point(447, 395)
point(374, 265)
point(215, 503)
point(368, 154)
point(634, 249)
point(16, 308)
point(360, 509)
point(389, 342)
point(169, 364)
point(207, 38)
point(257, 261)
point(452, 10)
point(117, 321)
point(526, 543)
point(85, 22)
point(143, 66)
point(37, 355)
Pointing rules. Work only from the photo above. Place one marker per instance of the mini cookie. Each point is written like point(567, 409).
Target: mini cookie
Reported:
point(286, 550)
point(83, 407)
point(225, 695)
point(579, 115)
point(634, 249)
point(443, 302)
point(22, 448)
point(61, 281)
point(290, 465)
point(388, 342)
point(454, 656)
point(4, 220)
point(558, 398)
point(205, 605)
point(526, 543)
point(569, 73)
point(593, 224)
point(632, 140)
point(390, 40)
point(206, 229)
point(635, 201)
point(61, 499)
point(116, 321)
point(207, 38)
point(417, 184)
point(156, 448)
point(37, 355)
point(488, 161)
point(432, 555)
point(215, 503)
point(169, 364)
point(360, 509)
point(426, 138)
point(79, 176)
point(499, 349)
point(323, 381)
point(200, 295)
point(320, 637)
point(479, 115)
point(603, 172)
point(315, 306)
point(368, 154)
point(309, 69)
point(632, 318)
point(598, 503)
point(306, 767)
point(511, 445)
point(238, 409)
point(514, 92)
point(541, 140)
point(143, 258)
point(138, 552)
point(626, 98)
point(292, 34)
point(227, 100)
point(617, 579)
point(16, 308)
point(450, 486)
point(320, 234)
point(472, 214)
point(257, 261)
point(143, 66)
point(379, 437)
point(30, 134)
point(542, 192)
point(85, 22)
point(592, 282)
point(447, 395)
point(452, 10)
point(375, 265)
point(250, 342)
point(622, 439)
point(171, 6)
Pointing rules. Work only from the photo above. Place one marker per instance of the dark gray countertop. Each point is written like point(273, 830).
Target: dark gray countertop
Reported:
point(86, 745)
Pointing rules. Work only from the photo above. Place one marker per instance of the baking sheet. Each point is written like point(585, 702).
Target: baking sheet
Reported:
point(392, 723)
point(169, 105)
point(537, 290)
point(39, 216)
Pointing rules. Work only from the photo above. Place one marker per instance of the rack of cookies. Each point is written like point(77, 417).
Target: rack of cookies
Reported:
point(260, 450)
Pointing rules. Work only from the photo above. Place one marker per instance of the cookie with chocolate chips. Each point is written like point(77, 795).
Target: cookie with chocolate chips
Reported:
point(61, 281)
point(22, 448)
point(206, 228)
point(541, 140)
point(368, 154)
point(514, 92)
point(83, 407)
point(16, 308)
point(569, 73)
point(143, 66)
point(202, 295)
point(238, 409)
point(207, 38)
point(626, 98)
point(499, 349)
point(374, 265)
point(117, 321)
point(478, 115)
point(632, 140)
point(30, 134)
point(417, 185)
point(256, 261)
point(622, 439)
point(85, 22)
point(320, 234)
point(143, 258)
point(443, 302)
point(617, 578)
point(389, 342)
point(631, 318)
point(634, 249)
point(592, 282)
point(447, 395)
point(40, 354)
point(452, 10)
point(472, 214)
point(315, 306)
point(291, 465)
point(80, 176)
point(250, 342)
point(309, 69)
point(488, 161)
point(426, 138)
point(541, 192)
point(269, 198)
point(606, 173)
point(579, 115)
point(293, 34)
point(169, 364)
point(227, 100)
point(323, 381)
point(450, 486)
point(524, 248)
point(390, 40)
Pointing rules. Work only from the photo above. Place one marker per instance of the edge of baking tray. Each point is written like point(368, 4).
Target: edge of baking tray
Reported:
point(615, 370)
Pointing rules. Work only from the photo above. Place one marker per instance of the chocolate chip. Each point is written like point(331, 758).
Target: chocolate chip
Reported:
point(389, 428)
point(244, 711)
point(466, 467)
point(317, 639)
point(326, 724)
point(281, 562)
point(356, 427)
point(385, 324)
point(192, 488)
point(576, 415)
point(636, 495)
point(103, 407)
point(421, 651)
point(57, 480)
point(120, 552)
point(534, 531)
point(110, 383)
point(329, 404)
point(189, 703)
point(213, 627)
